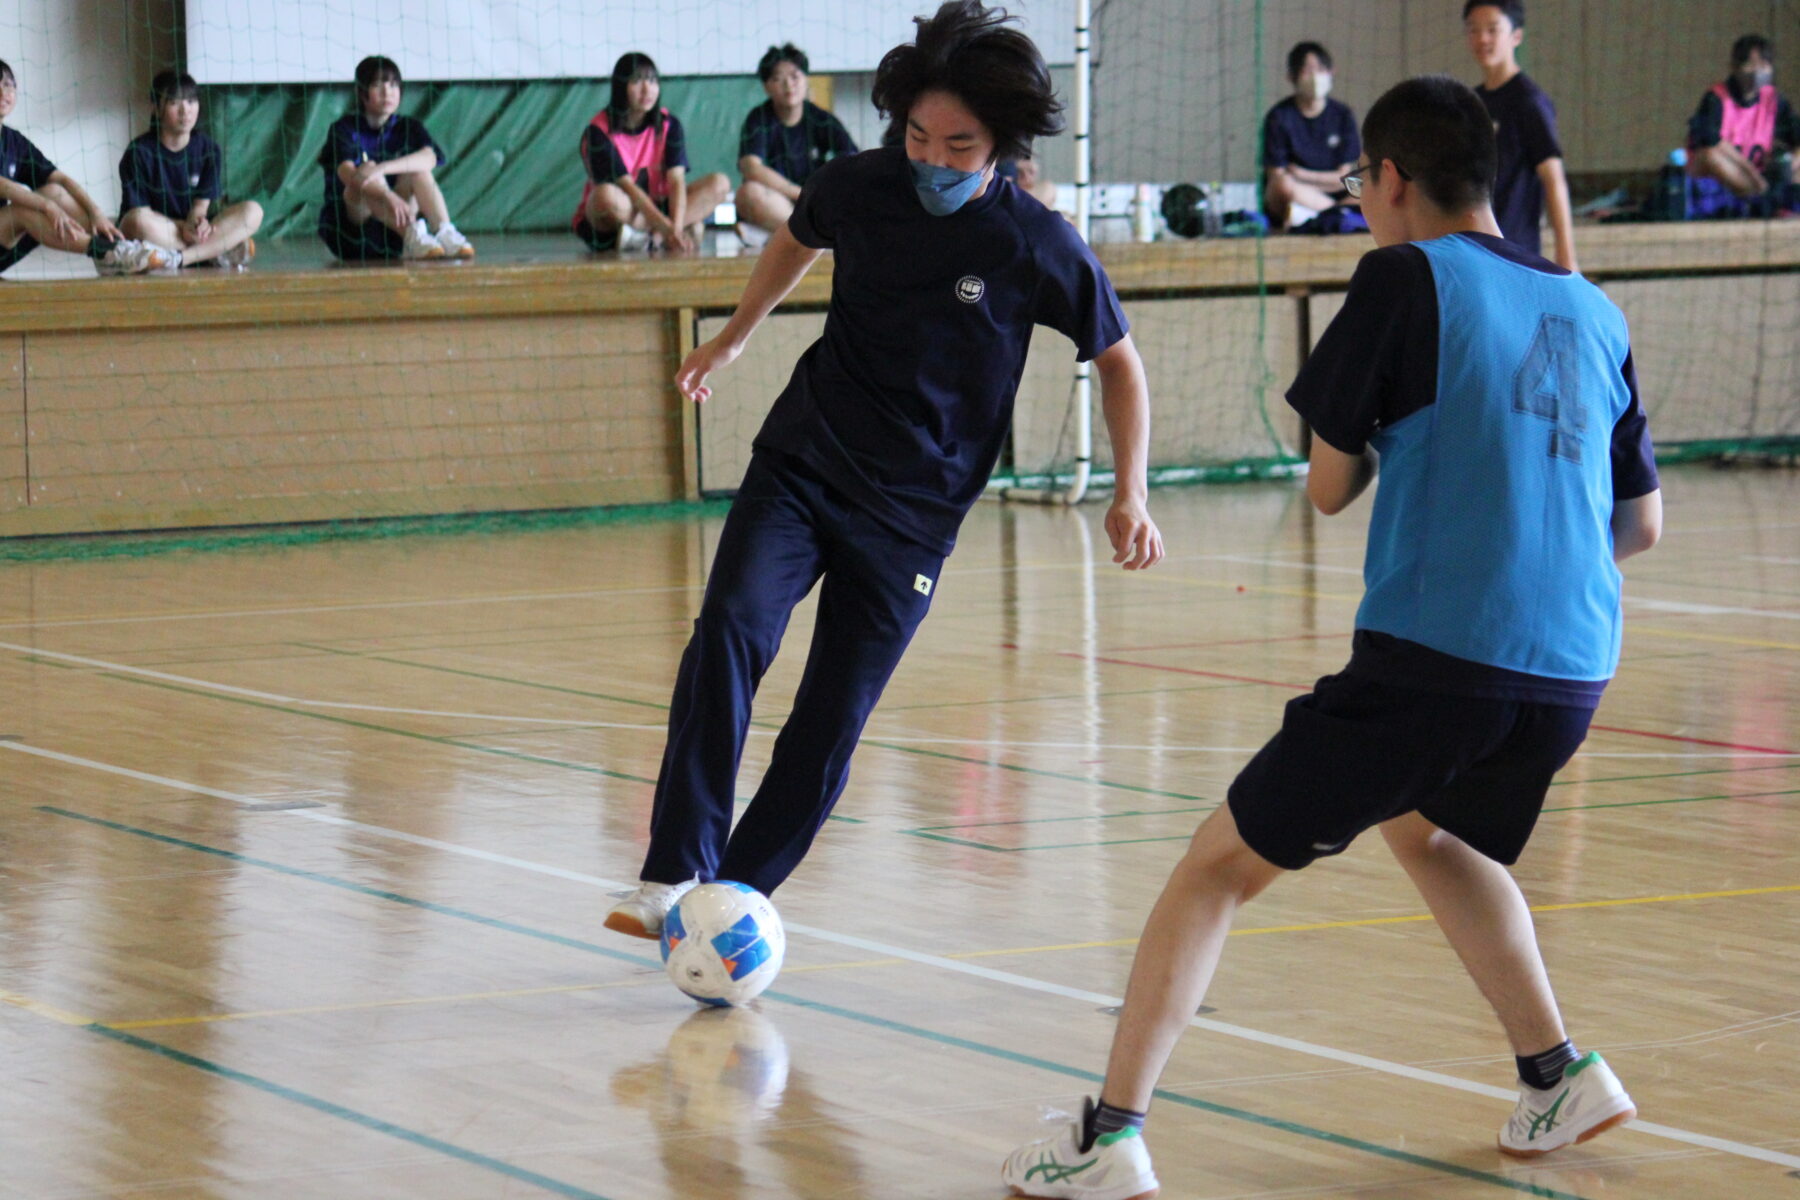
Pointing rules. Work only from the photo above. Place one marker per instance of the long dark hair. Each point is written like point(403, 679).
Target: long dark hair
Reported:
point(632, 65)
point(973, 53)
point(170, 85)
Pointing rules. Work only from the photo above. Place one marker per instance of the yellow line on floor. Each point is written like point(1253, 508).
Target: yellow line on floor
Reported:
point(1536, 908)
point(1678, 635)
point(62, 1016)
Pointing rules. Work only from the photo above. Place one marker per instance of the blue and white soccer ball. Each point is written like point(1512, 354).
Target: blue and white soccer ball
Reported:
point(722, 944)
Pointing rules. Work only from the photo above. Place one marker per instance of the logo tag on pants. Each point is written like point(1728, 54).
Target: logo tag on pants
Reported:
point(921, 585)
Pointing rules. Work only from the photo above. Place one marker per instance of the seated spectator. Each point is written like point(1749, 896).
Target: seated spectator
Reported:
point(1309, 142)
point(1734, 133)
point(637, 194)
point(171, 177)
point(784, 140)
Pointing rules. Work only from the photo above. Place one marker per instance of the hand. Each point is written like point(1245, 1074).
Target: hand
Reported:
point(1137, 543)
point(105, 228)
point(393, 203)
point(62, 224)
point(702, 361)
point(367, 171)
point(195, 230)
point(668, 231)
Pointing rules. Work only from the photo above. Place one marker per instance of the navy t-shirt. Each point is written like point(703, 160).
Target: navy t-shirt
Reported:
point(169, 181)
point(794, 151)
point(21, 162)
point(353, 140)
point(1321, 143)
point(1525, 130)
point(905, 401)
point(1375, 366)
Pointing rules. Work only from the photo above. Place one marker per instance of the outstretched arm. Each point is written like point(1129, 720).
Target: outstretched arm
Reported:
point(779, 267)
point(1125, 401)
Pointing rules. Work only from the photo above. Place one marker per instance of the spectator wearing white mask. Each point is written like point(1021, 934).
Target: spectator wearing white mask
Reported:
point(1309, 142)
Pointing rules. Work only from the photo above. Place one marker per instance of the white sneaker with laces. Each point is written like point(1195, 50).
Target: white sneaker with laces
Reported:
point(631, 239)
point(454, 243)
point(641, 913)
point(130, 257)
point(1115, 1167)
point(1589, 1101)
point(419, 242)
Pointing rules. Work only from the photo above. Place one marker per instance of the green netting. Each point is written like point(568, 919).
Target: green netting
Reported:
point(512, 147)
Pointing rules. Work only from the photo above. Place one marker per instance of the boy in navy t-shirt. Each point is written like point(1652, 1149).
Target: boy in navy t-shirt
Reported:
point(382, 199)
point(1530, 175)
point(1516, 470)
point(40, 205)
point(170, 178)
point(881, 441)
point(784, 140)
point(1309, 141)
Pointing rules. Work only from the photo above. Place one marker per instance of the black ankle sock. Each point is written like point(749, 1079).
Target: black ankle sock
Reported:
point(1104, 1118)
point(1544, 1071)
point(99, 247)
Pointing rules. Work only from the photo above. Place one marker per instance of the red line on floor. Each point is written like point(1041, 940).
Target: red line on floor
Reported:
point(1676, 737)
point(1304, 637)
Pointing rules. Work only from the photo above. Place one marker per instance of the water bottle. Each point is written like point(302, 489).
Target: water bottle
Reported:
point(1672, 188)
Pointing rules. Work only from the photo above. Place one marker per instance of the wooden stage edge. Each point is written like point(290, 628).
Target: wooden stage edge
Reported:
point(298, 393)
point(638, 283)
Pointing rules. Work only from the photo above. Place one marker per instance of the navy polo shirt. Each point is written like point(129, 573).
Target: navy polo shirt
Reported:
point(1476, 495)
point(21, 162)
point(796, 151)
point(353, 140)
point(1321, 143)
point(169, 181)
point(905, 401)
point(1525, 133)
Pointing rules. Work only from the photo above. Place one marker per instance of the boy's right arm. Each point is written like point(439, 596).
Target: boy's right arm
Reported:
point(1636, 525)
point(780, 266)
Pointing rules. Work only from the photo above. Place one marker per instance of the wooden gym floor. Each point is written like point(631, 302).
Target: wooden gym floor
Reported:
point(303, 854)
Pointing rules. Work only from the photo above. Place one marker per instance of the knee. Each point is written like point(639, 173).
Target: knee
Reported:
point(253, 215)
point(1219, 860)
point(752, 194)
point(132, 225)
point(608, 206)
point(1412, 838)
point(57, 194)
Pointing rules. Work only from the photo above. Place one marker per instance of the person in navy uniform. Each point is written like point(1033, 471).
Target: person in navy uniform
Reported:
point(1497, 393)
point(1309, 141)
point(382, 198)
point(882, 440)
point(41, 205)
point(784, 140)
point(170, 178)
point(1531, 178)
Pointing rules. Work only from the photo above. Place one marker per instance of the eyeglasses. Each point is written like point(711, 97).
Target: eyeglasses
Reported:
point(1353, 182)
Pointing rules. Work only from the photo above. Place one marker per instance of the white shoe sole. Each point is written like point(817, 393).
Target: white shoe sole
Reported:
point(1628, 1113)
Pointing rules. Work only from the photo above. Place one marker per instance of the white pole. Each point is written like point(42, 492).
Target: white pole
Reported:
point(1084, 165)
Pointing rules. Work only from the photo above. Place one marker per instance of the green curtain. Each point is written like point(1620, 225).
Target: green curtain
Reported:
point(513, 154)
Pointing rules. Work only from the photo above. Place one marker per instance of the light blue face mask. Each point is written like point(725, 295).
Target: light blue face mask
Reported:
point(943, 190)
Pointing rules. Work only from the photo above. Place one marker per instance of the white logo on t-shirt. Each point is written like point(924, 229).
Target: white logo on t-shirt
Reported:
point(969, 289)
point(1333, 141)
point(921, 585)
point(193, 181)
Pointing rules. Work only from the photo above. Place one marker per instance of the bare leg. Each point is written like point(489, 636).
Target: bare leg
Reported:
point(148, 225)
point(233, 227)
point(608, 208)
point(1724, 163)
point(705, 194)
point(427, 198)
point(358, 208)
point(763, 206)
point(1178, 953)
point(1487, 922)
point(17, 221)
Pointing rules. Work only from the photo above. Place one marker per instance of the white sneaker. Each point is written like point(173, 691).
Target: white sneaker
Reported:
point(419, 242)
point(641, 913)
point(633, 239)
point(1115, 1167)
point(753, 236)
point(454, 243)
point(134, 258)
point(1589, 1101)
point(238, 256)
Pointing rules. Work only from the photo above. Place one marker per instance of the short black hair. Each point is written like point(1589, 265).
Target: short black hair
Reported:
point(1438, 131)
point(975, 54)
point(173, 85)
point(632, 65)
point(1751, 43)
point(377, 68)
point(6, 72)
point(787, 52)
point(1513, 10)
point(1297, 58)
